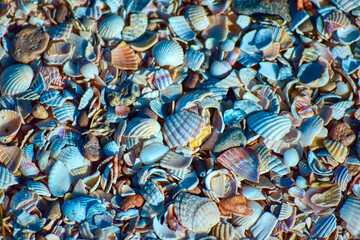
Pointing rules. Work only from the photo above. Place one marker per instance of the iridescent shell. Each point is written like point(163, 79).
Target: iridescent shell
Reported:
point(153, 193)
point(11, 157)
point(168, 53)
point(269, 125)
point(317, 166)
point(153, 152)
point(337, 150)
point(59, 53)
point(138, 24)
point(24, 200)
point(243, 161)
point(263, 38)
point(16, 79)
point(141, 128)
point(264, 226)
point(291, 157)
point(10, 123)
point(124, 57)
point(309, 129)
point(162, 79)
point(181, 28)
point(189, 99)
point(328, 198)
point(111, 27)
point(252, 193)
point(60, 179)
point(335, 20)
point(89, 70)
point(350, 213)
point(182, 127)
point(71, 156)
point(324, 226)
point(220, 69)
point(7, 179)
point(197, 214)
point(197, 17)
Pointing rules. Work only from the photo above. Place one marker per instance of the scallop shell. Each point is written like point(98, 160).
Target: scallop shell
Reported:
point(59, 53)
point(194, 59)
point(197, 214)
point(152, 193)
point(74, 210)
point(61, 31)
point(346, 5)
point(247, 221)
point(10, 123)
point(182, 127)
point(174, 161)
point(337, 150)
point(72, 157)
point(24, 200)
point(11, 157)
point(225, 231)
point(60, 179)
point(181, 28)
point(329, 198)
point(141, 128)
point(309, 129)
point(168, 53)
point(124, 57)
point(111, 149)
point(7, 179)
point(217, 29)
point(350, 213)
point(324, 226)
point(335, 20)
point(197, 17)
point(220, 69)
point(269, 125)
point(38, 187)
point(111, 27)
point(162, 79)
point(16, 79)
point(138, 25)
point(245, 162)
point(252, 193)
point(264, 226)
point(66, 112)
point(342, 177)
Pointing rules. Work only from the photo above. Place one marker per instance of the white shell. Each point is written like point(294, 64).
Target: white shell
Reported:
point(7, 179)
point(194, 59)
point(172, 160)
point(350, 213)
point(309, 129)
point(168, 53)
point(252, 193)
point(247, 221)
point(16, 79)
point(111, 27)
point(181, 28)
point(264, 226)
point(291, 157)
point(66, 112)
point(153, 152)
point(141, 128)
point(60, 179)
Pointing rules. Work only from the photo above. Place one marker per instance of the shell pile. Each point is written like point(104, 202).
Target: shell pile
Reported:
point(169, 119)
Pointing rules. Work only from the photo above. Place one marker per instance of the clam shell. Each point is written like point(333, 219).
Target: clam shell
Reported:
point(190, 99)
point(174, 161)
point(291, 157)
point(66, 112)
point(138, 24)
point(162, 79)
point(38, 187)
point(247, 221)
point(182, 127)
point(197, 214)
point(324, 226)
point(197, 17)
point(74, 210)
point(221, 183)
point(153, 152)
point(11, 157)
point(194, 59)
point(152, 193)
point(264, 226)
point(16, 79)
point(181, 28)
point(225, 231)
point(350, 213)
point(111, 27)
point(141, 128)
point(313, 74)
point(269, 70)
point(337, 150)
point(252, 193)
point(124, 57)
point(276, 165)
point(61, 31)
point(220, 69)
point(60, 179)
point(342, 177)
point(309, 129)
point(7, 179)
point(111, 149)
point(89, 70)
point(346, 5)
point(59, 53)
point(168, 53)
point(56, 147)
point(245, 162)
point(72, 157)
point(269, 125)
point(10, 123)
point(263, 38)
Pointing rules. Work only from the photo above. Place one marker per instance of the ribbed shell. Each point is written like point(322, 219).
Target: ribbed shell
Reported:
point(188, 100)
point(152, 193)
point(330, 198)
point(168, 53)
point(198, 214)
point(10, 123)
point(182, 127)
point(124, 57)
point(56, 147)
point(24, 200)
point(11, 157)
point(264, 226)
point(324, 226)
point(243, 161)
point(247, 221)
point(225, 231)
point(59, 52)
point(138, 24)
point(141, 128)
point(61, 32)
point(309, 129)
point(342, 177)
point(271, 52)
point(66, 112)
point(111, 149)
point(269, 125)
point(162, 79)
point(38, 187)
point(60, 179)
point(350, 213)
point(335, 20)
point(16, 79)
point(7, 179)
point(174, 161)
point(86, 98)
point(197, 17)
point(74, 210)
point(71, 157)
point(111, 27)
point(337, 150)
point(194, 59)
point(346, 5)
point(181, 28)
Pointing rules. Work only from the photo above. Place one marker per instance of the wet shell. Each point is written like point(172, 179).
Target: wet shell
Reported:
point(60, 179)
point(162, 79)
point(182, 127)
point(111, 27)
point(337, 150)
point(16, 79)
point(168, 53)
point(10, 123)
point(309, 129)
point(11, 157)
point(245, 162)
point(220, 69)
point(141, 128)
point(350, 213)
point(264, 226)
point(152, 193)
point(197, 17)
point(269, 125)
point(181, 28)
point(324, 226)
point(7, 179)
point(198, 214)
point(124, 57)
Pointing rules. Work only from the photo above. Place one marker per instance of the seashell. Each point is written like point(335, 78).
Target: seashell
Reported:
point(111, 149)
point(275, 164)
point(74, 210)
point(24, 200)
point(247, 106)
point(141, 128)
point(233, 117)
point(162, 79)
point(271, 52)
point(10, 123)
point(152, 193)
point(111, 27)
point(263, 38)
point(286, 210)
point(196, 15)
point(194, 59)
point(252, 193)
point(324, 226)
point(337, 150)
point(342, 177)
point(89, 70)
point(217, 28)
point(60, 179)
point(309, 129)
point(11, 157)
point(313, 74)
point(245, 162)
point(330, 198)
point(56, 147)
point(335, 20)
point(339, 109)
point(226, 231)
point(347, 35)
point(7, 179)
point(221, 183)
point(220, 69)
point(189, 100)
point(181, 28)
point(291, 157)
point(72, 157)
point(168, 53)
point(138, 25)
point(269, 70)
point(248, 42)
point(349, 212)
point(59, 53)
point(61, 32)
point(197, 214)
point(153, 153)
point(346, 5)
point(269, 125)
point(174, 161)
point(38, 187)
point(233, 137)
point(182, 127)
point(317, 166)
point(66, 112)
point(85, 99)
point(123, 57)
point(264, 226)
point(16, 79)
point(247, 221)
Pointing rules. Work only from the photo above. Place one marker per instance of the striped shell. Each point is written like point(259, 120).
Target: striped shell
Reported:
point(197, 214)
point(181, 28)
point(264, 226)
point(59, 52)
point(111, 27)
point(16, 79)
point(11, 157)
point(346, 5)
point(350, 213)
point(324, 226)
point(141, 128)
point(10, 123)
point(74, 210)
point(168, 53)
point(309, 129)
point(269, 125)
point(335, 20)
point(217, 29)
point(221, 183)
point(71, 156)
point(61, 31)
point(138, 24)
point(152, 193)
point(243, 161)
point(124, 57)
point(194, 59)
point(66, 112)
point(197, 17)
point(247, 221)
point(182, 127)
point(342, 177)
point(174, 161)
point(162, 79)
point(225, 231)
point(60, 179)
point(7, 179)
point(38, 187)
point(337, 150)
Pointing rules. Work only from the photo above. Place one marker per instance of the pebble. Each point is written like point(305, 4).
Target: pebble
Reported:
point(61, 13)
point(39, 112)
point(342, 133)
point(83, 119)
point(91, 148)
point(132, 201)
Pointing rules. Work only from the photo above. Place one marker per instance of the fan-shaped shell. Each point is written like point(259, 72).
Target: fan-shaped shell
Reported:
point(16, 79)
point(350, 213)
point(291, 157)
point(337, 150)
point(111, 27)
point(152, 193)
point(225, 231)
point(38, 187)
point(10, 123)
point(59, 52)
point(182, 127)
point(243, 161)
point(324, 226)
point(141, 128)
point(197, 17)
point(66, 112)
point(72, 157)
point(7, 179)
point(60, 179)
point(271, 53)
point(111, 149)
point(168, 53)
point(194, 59)
point(61, 31)
point(175, 161)
point(198, 214)
point(264, 226)
point(181, 28)
point(162, 79)
point(346, 5)
point(309, 129)
point(11, 157)
point(335, 20)
point(74, 210)
point(220, 69)
point(252, 193)
point(247, 221)
point(269, 125)
point(342, 177)
point(124, 57)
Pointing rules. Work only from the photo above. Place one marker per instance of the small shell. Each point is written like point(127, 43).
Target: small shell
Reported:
point(38, 187)
point(346, 5)
point(342, 177)
point(330, 198)
point(174, 161)
point(198, 214)
point(264, 226)
point(60, 179)
point(152, 193)
point(138, 24)
point(61, 31)
point(141, 128)
point(263, 38)
point(16, 79)
point(74, 210)
point(181, 28)
point(225, 231)
point(220, 69)
point(324, 226)
point(89, 70)
point(252, 193)
point(269, 70)
point(347, 35)
point(350, 213)
point(337, 150)
point(168, 53)
point(66, 112)
point(217, 29)
point(247, 221)
point(245, 162)
point(11, 157)
point(309, 129)
point(272, 52)
point(153, 152)
point(162, 79)
point(111, 149)
point(291, 157)
point(194, 59)
point(59, 53)
point(197, 17)
point(71, 156)
point(10, 123)
point(124, 57)
point(111, 27)
point(7, 179)
point(313, 74)
point(335, 20)
point(221, 183)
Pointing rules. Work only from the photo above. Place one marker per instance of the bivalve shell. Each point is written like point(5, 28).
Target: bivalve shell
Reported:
point(16, 79)
point(181, 28)
point(309, 129)
point(124, 57)
point(11, 157)
point(7, 179)
point(264, 226)
point(168, 53)
point(350, 213)
point(337, 150)
point(10, 123)
point(197, 17)
point(324, 226)
point(60, 179)
point(111, 27)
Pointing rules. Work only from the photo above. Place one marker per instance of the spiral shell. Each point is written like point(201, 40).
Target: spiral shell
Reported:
point(16, 79)
point(168, 53)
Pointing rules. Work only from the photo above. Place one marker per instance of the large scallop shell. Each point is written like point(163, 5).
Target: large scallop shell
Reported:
point(168, 53)
point(198, 214)
point(269, 125)
point(181, 28)
point(7, 179)
point(350, 213)
point(10, 123)
point(60, 179)
point(337, 150)
point(111, 27)
point(182, 127)
point(16, 79)
point(124, 57)
point(243, 161)
point(11, 157)
point(197, 17)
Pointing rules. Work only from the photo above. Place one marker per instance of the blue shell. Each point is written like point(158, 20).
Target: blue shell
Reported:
point(324, 226)
point(111, 149)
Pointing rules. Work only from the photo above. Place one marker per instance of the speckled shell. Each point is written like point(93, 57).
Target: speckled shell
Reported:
point(337, 150)
point(198, 214)
point(152, 193)
point(60, 179)
point(111, 27)
point(141, 128)
point(350, 213)
point(138, 24)
point(7, 179)
point(182, 127)
point(168, 53)
point(11, 157)
point(124, 57)
point(197, 17)
point(181, 28)
point(243, 161)
point(264, 226)
point(269, 125)
point(16, 79)
point(10, 123)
